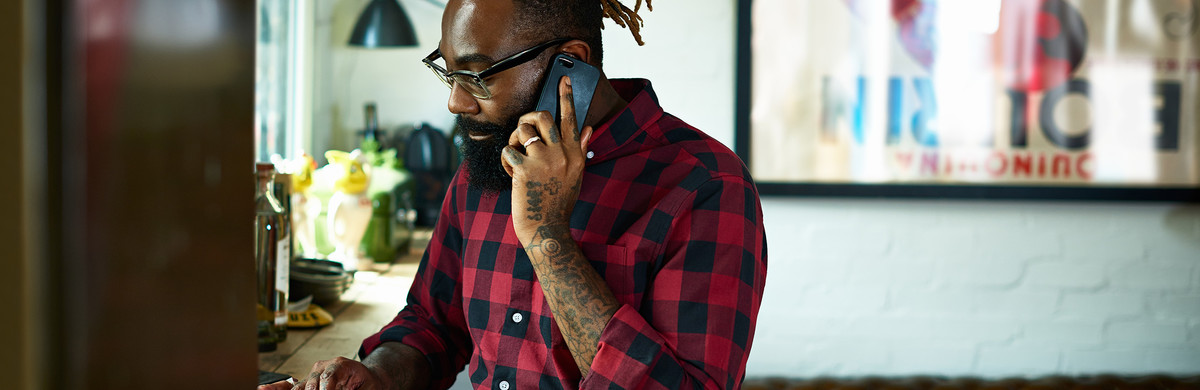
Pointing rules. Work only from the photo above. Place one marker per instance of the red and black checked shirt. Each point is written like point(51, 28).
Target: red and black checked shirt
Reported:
point(667, 215)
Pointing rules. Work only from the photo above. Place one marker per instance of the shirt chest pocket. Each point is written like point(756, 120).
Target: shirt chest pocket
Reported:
point(617, 265)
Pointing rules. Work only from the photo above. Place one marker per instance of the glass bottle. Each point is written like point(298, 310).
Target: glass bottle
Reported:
point(371, 141)
point(282, 191)
point(269, 237)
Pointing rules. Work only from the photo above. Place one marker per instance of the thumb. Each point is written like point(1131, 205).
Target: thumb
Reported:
point(508, 158)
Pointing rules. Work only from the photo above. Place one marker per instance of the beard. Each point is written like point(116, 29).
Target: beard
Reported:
point(482, 158)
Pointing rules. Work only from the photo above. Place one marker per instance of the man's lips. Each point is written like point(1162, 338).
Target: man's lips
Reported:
point(479, 137)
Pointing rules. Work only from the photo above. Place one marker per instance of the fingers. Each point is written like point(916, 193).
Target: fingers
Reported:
point(341, 374)
point(566, 103)
point(586, 139)
point(539, 137)
point(522, 135)
point(312, 382)
point(510, 158)
point(543, 124)
point(325, 375)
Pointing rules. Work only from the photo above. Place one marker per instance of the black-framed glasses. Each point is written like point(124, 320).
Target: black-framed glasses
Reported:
point(473, 82)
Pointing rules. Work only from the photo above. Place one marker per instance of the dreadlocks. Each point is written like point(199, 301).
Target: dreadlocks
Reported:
point(625, 17)
point(580, 19)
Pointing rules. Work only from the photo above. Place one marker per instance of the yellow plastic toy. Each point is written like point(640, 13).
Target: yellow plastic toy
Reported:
point(302, 178)
point(305, 207)
point(354, 179)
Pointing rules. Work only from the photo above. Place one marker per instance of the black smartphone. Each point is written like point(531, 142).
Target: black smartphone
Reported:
point(583, 85)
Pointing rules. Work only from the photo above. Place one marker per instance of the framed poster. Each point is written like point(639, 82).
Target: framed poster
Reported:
point(1001, 99)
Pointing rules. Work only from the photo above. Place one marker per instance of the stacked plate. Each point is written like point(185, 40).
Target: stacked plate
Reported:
point(324, 280)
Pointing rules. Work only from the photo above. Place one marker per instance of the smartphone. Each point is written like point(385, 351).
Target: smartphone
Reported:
point(583, 85)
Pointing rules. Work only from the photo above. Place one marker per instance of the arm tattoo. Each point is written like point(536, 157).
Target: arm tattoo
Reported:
point(579, 298)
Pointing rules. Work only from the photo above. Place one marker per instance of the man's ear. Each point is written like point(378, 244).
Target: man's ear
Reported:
point(578, 49)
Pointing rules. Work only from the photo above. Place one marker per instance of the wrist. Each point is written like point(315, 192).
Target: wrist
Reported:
point(398, 366)
point(382, 377)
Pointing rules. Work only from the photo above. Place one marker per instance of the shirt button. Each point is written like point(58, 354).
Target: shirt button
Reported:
point(503, 385)
point(591, 154)
point(517, 317)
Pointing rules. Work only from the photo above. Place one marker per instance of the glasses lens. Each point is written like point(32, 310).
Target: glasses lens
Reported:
point(440, 75)
point(472, 84)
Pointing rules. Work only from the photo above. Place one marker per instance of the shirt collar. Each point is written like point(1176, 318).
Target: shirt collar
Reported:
point(610, 138)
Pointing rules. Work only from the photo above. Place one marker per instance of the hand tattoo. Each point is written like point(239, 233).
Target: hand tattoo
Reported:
point(571, 98)
point(513, 157)
point(535, 200)
point(554, 134)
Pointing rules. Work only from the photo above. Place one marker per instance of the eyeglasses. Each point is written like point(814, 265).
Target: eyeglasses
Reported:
point(473, 81)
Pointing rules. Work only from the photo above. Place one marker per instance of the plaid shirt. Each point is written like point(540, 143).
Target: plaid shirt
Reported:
point(667, 215)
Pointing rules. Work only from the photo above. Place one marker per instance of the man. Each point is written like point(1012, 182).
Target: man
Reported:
point(624, 252)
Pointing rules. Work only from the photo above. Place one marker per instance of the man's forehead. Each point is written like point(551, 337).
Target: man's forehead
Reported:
point(476, 30)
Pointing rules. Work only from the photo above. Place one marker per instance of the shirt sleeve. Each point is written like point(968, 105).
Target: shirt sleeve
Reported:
point(433, 321)
point(693, 334)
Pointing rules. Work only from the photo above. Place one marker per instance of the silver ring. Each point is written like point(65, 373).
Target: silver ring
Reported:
point(530, 141)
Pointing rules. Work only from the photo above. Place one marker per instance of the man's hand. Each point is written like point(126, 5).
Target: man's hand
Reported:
point(392, 365)
point(546, 171)
point(338, 373)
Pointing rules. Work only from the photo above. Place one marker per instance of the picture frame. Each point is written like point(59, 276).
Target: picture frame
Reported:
point(1057, 154)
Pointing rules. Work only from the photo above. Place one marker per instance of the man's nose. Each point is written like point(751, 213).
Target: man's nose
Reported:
point(462, 102)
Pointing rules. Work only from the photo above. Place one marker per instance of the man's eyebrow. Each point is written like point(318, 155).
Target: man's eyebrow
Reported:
point(473, 58)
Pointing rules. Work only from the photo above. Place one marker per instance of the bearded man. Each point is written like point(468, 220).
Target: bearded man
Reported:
point(627, 251)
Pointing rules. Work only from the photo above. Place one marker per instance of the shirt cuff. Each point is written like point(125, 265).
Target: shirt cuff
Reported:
point(411, 330)
point(630, 353)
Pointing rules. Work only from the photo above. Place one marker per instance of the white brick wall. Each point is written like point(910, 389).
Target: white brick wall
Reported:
point(1073, 333)
point(1068, 275)
point(1017, 360)
point(1141, 276)
point(1176, 306)
point(978, 288)
point(1142, 332)
point(1100, 304)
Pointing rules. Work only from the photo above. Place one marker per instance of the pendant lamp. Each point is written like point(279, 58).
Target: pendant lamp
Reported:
point(383, 24)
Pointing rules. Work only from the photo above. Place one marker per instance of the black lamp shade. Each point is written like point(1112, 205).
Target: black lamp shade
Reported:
point(383, 24)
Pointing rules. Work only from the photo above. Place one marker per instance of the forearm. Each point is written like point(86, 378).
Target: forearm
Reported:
point(399, 366)
point(579, 298)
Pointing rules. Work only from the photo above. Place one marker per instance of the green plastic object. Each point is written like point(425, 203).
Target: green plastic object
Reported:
point(377, 242)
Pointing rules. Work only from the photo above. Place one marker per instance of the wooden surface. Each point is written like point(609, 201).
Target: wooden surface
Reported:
point(371, 302)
